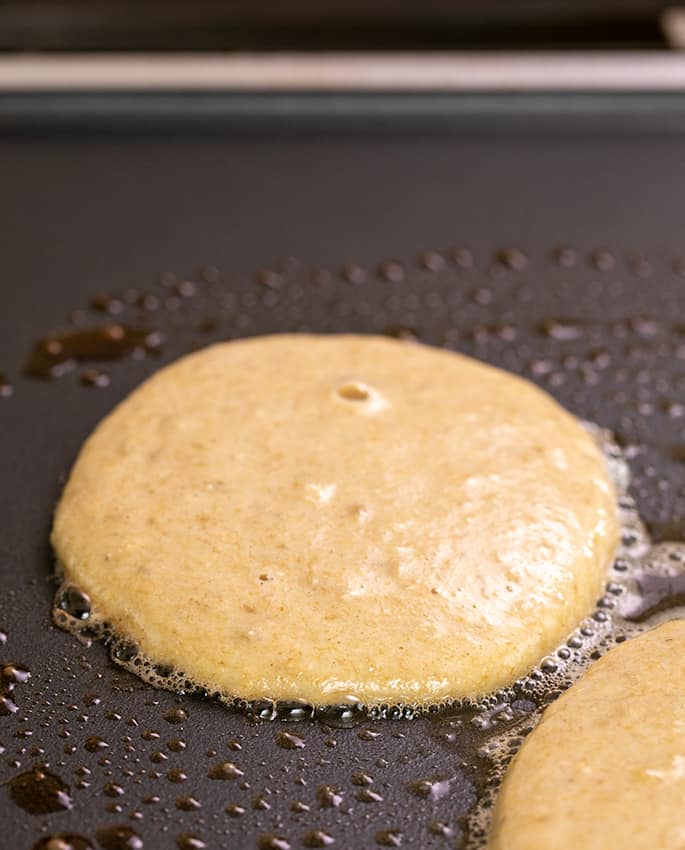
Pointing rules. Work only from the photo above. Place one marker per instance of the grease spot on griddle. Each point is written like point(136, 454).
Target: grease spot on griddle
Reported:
point(56, 354)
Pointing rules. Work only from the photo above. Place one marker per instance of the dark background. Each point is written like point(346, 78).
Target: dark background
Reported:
point(338, 25)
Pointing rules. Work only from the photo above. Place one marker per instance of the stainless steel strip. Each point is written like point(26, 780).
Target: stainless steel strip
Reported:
point(451, 72)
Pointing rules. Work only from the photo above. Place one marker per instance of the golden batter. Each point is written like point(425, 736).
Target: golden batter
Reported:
point(605, 769)
point(321, 516)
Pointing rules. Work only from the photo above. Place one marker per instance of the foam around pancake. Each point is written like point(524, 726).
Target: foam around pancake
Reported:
point(317, 516)
point(605, 768)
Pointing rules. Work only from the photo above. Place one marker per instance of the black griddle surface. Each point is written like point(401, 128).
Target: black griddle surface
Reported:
point(81, 216)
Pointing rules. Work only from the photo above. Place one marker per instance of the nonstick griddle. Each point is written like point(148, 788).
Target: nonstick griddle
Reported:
point(553, 248)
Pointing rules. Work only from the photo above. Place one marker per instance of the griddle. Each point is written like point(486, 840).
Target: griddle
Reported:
point(547, 240)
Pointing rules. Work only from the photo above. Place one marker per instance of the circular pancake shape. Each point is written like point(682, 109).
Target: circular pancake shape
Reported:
point(606, 766)
point(321, 516)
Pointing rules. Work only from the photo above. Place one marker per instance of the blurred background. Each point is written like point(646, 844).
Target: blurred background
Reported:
point(311, 25)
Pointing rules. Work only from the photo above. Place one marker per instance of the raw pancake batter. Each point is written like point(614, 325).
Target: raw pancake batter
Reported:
point(321, 516)
point(605, 768)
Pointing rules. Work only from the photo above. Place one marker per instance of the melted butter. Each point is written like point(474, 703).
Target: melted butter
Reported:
point(429, 528)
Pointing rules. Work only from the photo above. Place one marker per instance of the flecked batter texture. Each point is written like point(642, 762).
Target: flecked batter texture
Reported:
point(318, 516)
point(605, 769)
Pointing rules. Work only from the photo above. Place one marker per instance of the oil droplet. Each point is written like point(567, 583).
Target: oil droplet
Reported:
point(118, 838)
point(176, 716)
point(94, 378)
point(603, 260)
point(566, 257)
point(430, 789)
point(392, 271)
point(176, 745)
point(289, 741)
point(362, 779)
point(234, 810)
point(94, 744)
point(328, 797)
point(512, 258)
point(353, 273)
point(401, 332)
point(271, 841)
point(187, 803)
point(63, 841)
point(462, 258)
point(225, 770)
point(111, 789)
point(7, 706)
point(74, 602)
point(6, 388)
point(432, 261)
point(40, 792)
point(366, 795)
point(188, 841)
point(176, 775)
point(368, 735)
point(13, 674)
point(440, 828)
point(317, 838)
point(269, 278)
point(560, 330)
point(107, 304)
point(388, 837)
point(186, 288)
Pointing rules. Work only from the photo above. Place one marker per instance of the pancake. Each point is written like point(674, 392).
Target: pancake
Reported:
point(318, 517)
point(606, 766)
